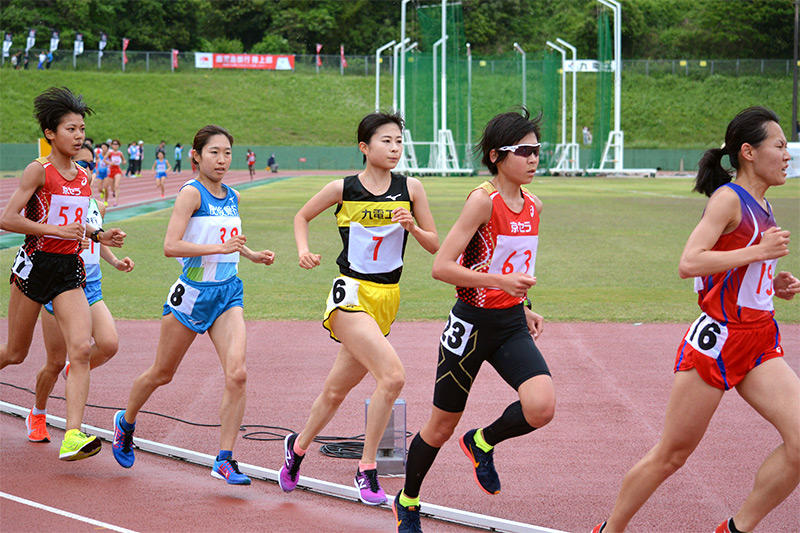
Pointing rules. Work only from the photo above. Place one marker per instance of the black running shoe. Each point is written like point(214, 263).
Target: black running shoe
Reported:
point(407, 517)
point(483, 462)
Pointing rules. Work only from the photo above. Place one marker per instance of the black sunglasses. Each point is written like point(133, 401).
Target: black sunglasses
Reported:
point(89, 165)
point(522, 150)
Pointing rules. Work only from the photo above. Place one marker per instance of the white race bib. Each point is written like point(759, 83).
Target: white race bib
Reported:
point(756, 290)
point(344, 293)
point(375, 249)
point(182, 297)
point(707, 336)
point(65, 210)
point(22, 264)
point(514, 253)
point(456, 334)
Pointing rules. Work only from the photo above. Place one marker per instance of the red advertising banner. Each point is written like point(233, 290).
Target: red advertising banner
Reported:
point(125, 43)
point(256, 61)
point(174, 58)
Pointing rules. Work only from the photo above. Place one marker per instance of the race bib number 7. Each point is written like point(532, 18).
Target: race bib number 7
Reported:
point(707, 336)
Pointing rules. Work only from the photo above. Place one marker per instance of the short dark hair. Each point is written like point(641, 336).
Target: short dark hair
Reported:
point(506, 129)
point(370, 123)
point(749, 126)
point(51, 106)
point(205, 133)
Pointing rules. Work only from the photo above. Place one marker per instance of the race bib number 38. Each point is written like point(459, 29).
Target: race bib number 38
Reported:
point(707, 336)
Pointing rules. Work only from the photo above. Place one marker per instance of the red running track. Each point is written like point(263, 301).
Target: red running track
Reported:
point(612, 383)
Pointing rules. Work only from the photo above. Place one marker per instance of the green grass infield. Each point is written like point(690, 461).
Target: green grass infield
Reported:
point(608, 252)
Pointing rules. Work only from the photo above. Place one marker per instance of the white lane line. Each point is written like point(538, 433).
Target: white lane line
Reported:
point(65, 513)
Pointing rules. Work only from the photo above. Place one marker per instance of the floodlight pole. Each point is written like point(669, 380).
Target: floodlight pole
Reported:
point(618, 146)
point(444, 64)
point(468, 148)
point(395, 68)
point(435, 114)
point(403, 58)
point(574, 51)
point(378, 73)
point(795, 133)
point(519, 49)
point(563, 53)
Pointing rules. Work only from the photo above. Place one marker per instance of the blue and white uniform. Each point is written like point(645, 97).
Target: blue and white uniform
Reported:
point(208, 285)
point(91, 261)
point(161, 168)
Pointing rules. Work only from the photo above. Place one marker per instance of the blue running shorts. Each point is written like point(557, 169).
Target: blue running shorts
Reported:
point(197, 305)
point(93, 291)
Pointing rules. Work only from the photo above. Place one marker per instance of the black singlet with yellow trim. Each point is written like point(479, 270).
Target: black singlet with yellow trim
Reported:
point(372, 245)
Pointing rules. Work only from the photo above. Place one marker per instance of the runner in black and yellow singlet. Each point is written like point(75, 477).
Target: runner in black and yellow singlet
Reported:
point(376, 211)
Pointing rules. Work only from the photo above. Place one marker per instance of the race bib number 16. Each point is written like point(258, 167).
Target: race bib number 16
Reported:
point(707, 336)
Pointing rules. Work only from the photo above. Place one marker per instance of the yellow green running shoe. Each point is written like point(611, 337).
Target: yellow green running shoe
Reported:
point(77, 446)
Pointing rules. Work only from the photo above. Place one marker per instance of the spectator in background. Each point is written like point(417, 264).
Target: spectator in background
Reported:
point(272, 165)
point(140, 146)
point(42, 59)
point(15, 60)
point(133, 152)
point(49, 59)
point(162, 147)
point(178, 155)
point(587, 135)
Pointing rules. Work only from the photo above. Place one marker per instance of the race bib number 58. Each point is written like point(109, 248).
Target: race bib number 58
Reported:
point(707, 336)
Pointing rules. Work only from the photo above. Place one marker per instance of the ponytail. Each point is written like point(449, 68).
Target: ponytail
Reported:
point(710, 174)
point(749, 126)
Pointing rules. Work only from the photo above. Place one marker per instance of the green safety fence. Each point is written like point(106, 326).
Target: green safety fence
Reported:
point(15, 157)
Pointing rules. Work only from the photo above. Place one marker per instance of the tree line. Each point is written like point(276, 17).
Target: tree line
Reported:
point(657, 29)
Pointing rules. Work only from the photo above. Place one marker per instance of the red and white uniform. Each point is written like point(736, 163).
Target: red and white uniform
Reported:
point(506, 243)
point(60, 202)
point(736, 330)
point(251, 159)
point(114, 158)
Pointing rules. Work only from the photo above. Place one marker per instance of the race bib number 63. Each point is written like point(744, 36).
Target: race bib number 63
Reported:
point(707, 336)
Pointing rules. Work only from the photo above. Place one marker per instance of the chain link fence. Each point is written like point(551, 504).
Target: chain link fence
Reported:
point(364, 65)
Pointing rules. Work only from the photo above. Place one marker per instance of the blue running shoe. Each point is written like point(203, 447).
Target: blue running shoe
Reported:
point(123, 443)
point(407, 517)
point(483, 462)
point(288, 476)
point(228, 469)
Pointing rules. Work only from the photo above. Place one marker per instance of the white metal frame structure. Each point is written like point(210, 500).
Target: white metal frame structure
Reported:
point(443, 154)
point(560, 153)
point(572, 157)
point(616, 137)
point(378, 53)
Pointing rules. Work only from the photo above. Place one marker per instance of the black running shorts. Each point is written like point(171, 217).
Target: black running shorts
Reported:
point(473, 335)
point(43, 275)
